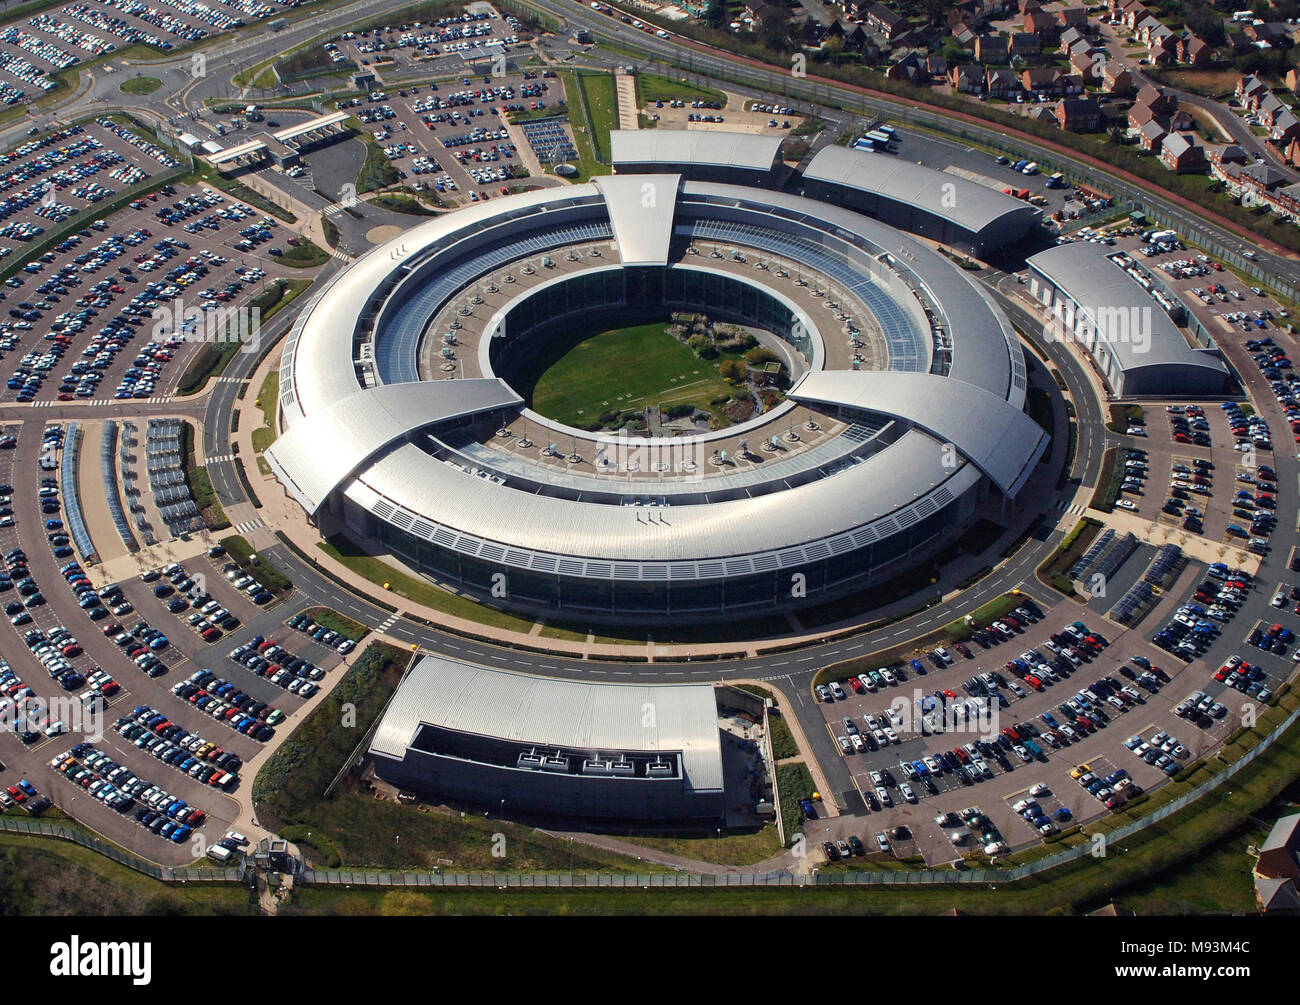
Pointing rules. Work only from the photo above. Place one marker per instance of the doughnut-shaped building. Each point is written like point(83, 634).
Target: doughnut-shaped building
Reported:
point(399, 423)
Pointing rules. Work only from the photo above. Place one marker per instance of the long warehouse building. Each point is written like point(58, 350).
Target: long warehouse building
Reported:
point(937, 205)
point(1120, 314)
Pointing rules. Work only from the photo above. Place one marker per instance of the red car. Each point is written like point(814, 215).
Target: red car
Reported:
point(856, 685)
point(17, 793)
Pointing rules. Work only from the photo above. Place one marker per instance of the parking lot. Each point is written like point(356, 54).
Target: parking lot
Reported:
point(32, 51)
point(118, 650)
point(1009, 727)
point(116, 310)
point(453, 139)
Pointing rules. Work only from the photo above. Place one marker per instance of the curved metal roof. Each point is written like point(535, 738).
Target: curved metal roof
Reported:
point(313, 458)
point(874, 497)
point(969, 204)
point(548, 711)
point(1000, 440)
point(1085, 273)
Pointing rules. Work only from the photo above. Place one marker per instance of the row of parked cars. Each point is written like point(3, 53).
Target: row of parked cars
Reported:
point(118, 788)
point(1196, 624)
point(225, 702)
point(325, 636)
point(281, 667)
point(151, 731)
point(1161, 750)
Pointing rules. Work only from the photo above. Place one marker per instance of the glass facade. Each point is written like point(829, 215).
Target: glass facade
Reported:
point(526, 589)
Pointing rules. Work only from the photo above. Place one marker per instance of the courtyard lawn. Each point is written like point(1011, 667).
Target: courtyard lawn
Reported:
point(623, 370)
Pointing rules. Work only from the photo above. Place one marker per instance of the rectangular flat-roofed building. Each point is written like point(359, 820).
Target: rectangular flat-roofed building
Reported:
point(595, 751)
point(700, 155)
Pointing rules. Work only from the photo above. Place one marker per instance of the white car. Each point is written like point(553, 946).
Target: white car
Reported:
point(1128, 504)
point(907, 792)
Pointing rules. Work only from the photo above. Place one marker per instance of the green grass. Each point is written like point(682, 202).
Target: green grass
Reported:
point(652, 87)
point(140, 85)
point(378, 171)
point(48, 876)
point(794, 781)
point(740, 847)
point(417, 590)
point(783, 744)
point(599, 99)
point(402, 204)
point(337, 622)
point(621, 370)
point(304, 255)
point(205, 497)
point(268, 399)
point(1120, 416)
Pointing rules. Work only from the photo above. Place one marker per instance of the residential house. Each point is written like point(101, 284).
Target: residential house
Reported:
point(1026, 46)
point(1249, 91)
point(1181, 153)
point(936, 67)
point(991, 49)
point(1116, 78)
point(1073, 17)
point(1085, 66)
point(1001, 82)
point(1072, 37)
point(1079, 115)
point(966, 78)
point(1279, 854)
point(1042, 81)
point(965, 35)
point(1195, 51)
point(910, 69)
point(1042, 24)
point(1285, 128)
point(1293, 153)
point(1292, 79)
point(1230, 154)
point(880, 20)
point(1150, 136)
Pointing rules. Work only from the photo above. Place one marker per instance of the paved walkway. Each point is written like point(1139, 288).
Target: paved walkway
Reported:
point(625, 90)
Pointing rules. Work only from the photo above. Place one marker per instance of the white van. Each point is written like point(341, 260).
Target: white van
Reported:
point(221, 854)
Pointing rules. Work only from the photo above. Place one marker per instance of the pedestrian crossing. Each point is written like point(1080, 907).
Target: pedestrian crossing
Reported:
point(390, 621)
point(248, 526)
point(333, 209)
point(221, 459)
point(157, 400)
point(1077, 509)
point(342, 256)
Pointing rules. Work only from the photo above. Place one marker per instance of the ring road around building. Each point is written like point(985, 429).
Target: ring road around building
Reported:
point(399, 422)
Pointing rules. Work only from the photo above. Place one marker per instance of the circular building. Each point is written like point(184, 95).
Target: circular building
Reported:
point(400, 422)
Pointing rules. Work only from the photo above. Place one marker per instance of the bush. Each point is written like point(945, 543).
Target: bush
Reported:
point(733, 370)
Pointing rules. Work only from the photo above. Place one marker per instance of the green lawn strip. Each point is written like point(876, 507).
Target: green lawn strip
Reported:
point(794, 782)
point(205, 497)
point(740, 847)
point(1121, 417)
point(600, 101)
point(418, 591)
point(567, 634)
point(49, 876)
point(1109, 481)
point(337, 622)
point(241, 552)
point(783, 744)
point(377, 172)
point(267, 402)
point(652, 87)
point(304, 255)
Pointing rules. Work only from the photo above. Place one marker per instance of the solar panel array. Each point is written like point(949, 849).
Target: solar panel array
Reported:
point(108, 471)
point(549, 140)
point(72, 515)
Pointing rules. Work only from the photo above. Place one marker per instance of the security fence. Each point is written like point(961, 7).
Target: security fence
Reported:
point(165, 874)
